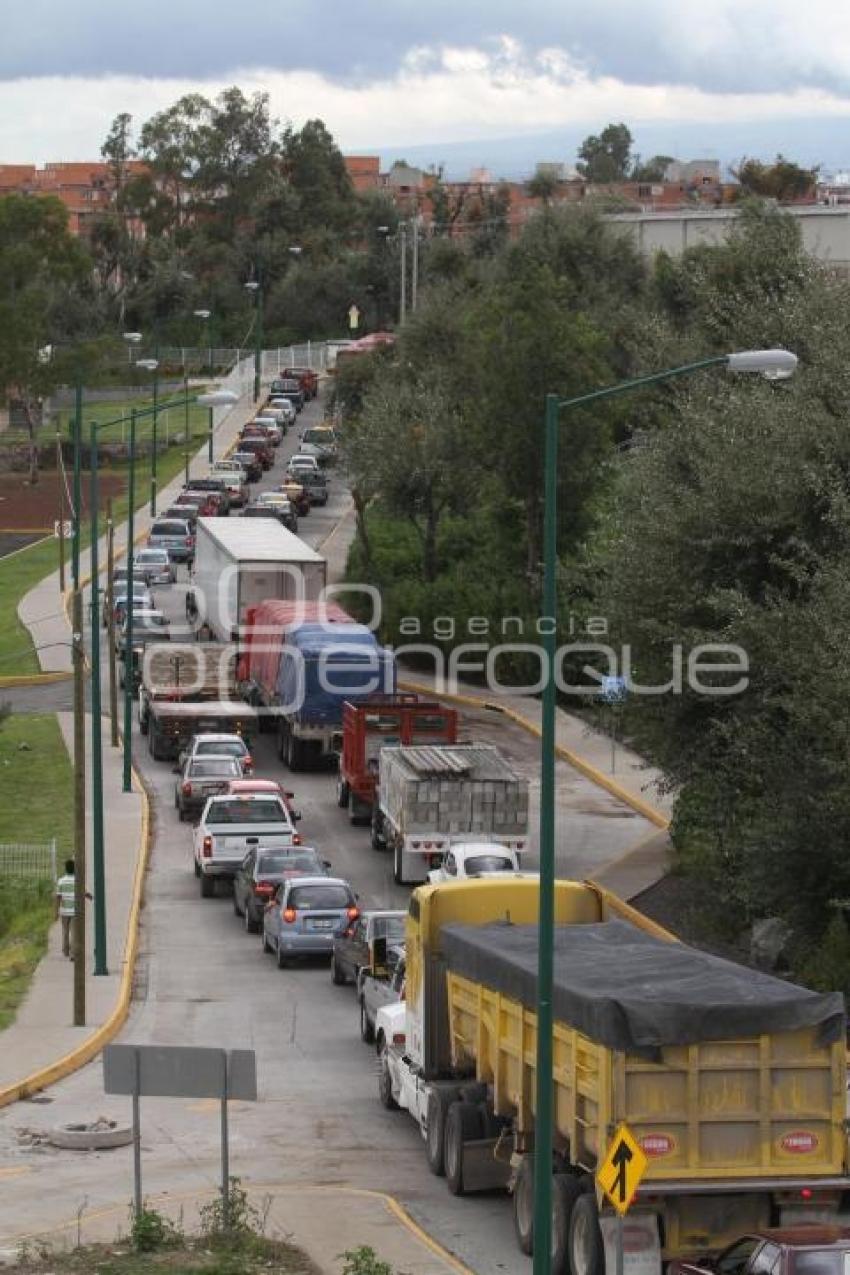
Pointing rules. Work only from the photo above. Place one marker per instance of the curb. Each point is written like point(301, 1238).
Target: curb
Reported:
point(102, 1035)
point(35, 679)
point(389, 1202)
point(578, 763)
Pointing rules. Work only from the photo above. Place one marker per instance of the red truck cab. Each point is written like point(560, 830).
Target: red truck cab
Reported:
point(373, 724)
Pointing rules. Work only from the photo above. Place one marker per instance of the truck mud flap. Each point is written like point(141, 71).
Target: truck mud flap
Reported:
point(481, 1170)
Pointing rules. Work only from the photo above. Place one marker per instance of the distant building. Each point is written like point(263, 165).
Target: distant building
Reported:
point(364, 171)
point(86, 188)
point(693, 172)
point(405, 177)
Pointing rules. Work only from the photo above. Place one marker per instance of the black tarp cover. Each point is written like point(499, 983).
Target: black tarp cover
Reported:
point(630, 991)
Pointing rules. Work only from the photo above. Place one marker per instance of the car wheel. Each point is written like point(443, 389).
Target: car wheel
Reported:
point(250, 923)
point(337, 975)
point(367, 1031)
point(197, 868)
point(264, 938)
point(341, 794)
point(236, 909)
point(207, 887)
point(385, 1082)
point(281, 959)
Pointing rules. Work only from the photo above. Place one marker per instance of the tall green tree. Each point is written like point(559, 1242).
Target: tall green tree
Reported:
point(782, 180)
point(606, 157)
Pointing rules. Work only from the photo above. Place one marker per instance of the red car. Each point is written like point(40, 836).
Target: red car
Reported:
point(266, 786)
point(260, 447)
point(812, 1248)
point(306, 378)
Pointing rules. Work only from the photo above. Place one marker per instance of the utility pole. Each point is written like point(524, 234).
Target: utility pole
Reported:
point(153, 433)
point(60, 477)
point(414, 286)
point(78, 657)
point(127, 785)
point(110, 623)
point(402, 309)
point(97, 723)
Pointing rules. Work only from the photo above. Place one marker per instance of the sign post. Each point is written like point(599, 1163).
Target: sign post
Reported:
point(620, 1176)
point(613, 692)
point(176, 1071)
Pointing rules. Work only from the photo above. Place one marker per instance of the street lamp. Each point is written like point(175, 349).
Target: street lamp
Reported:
point(152, 365)
point(775, 365)
point(204, 316)
point(132, 338)
point(256, 287)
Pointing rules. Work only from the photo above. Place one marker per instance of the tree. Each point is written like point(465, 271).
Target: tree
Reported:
point(170, 143)
point(543, 186)
point(651, 170)
point(40, 262)
point(315, 170)
point(118, 151)
point(606, 158)
point(782, 180)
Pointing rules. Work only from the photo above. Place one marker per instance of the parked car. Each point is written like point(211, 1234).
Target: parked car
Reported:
point(142, 597)
point(253, 785)
point(202, 778)
point(304, 914)
point(260, 447)
point(216, 486)
point(285, 516)
point(153, 566)
point(375, 990)
point(474, 859)
point(262, 871)
point(352, 945)
point(810, 1248)
point(286, 387)
point(298, 494)
point(323, 440)
point(174, 535)
point(215, 745)
point(314, 483)
point(235, 480)
point(250, 463)
point(306, 378)
point(282, 507)
point(284, 405)
point(231, 826)
point(303, 460)
point(273, 423)
point(149, 624)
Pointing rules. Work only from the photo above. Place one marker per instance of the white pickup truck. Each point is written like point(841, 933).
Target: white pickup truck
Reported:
point(230, 826)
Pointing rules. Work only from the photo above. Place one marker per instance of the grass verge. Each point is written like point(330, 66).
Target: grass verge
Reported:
point(26, 905)
point(22, 572)
point(272, 1257)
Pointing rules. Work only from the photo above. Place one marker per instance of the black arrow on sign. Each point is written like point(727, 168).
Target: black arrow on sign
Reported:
point(620, 1160)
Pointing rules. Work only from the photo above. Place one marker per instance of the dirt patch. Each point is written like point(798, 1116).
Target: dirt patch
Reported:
point(35, 508)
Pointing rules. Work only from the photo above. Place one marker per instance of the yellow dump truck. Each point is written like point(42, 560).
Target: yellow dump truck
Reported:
point(733, 1082)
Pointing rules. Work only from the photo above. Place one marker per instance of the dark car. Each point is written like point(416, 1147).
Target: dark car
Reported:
point(175, 535)
point(260, 448)
point(290, 389)
point(812, 1248)
point(352, 945)
point(262, 871)
point(215, 487)
point(250, 463)
point(282, 511)
point(314, 483)
point(203, 777)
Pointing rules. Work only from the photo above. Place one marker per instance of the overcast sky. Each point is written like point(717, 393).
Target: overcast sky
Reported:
point(385, 73)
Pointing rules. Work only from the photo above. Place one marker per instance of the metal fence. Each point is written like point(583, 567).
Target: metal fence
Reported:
point(28, 861)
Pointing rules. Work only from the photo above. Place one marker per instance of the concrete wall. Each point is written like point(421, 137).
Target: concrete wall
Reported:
point(826, 231)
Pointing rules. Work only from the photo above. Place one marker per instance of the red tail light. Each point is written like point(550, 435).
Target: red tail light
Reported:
point(296, 840)
point(399, 1038)
point(247, 762)
point(264, 887)
point(189, 541)
point(289, 915)
point(186, 789)
point(206, 847)
point(352, 913)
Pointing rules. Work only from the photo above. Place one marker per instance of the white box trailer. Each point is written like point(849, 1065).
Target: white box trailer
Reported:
point(242, 561)
point(432, 797)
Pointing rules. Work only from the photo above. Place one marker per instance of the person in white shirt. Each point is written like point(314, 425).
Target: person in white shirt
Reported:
point(66, 906)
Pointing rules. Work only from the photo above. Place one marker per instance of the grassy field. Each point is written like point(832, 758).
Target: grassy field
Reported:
point(42, 769)
point(20, 573)
point(170, 421)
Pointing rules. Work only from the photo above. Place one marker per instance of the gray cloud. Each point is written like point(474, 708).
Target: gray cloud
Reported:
point(722, 46)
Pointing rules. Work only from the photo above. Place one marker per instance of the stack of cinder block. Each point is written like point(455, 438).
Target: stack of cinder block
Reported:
point(453, 789)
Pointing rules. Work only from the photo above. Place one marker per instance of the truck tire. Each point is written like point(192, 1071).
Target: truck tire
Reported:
point(435, 1137)
point(294, 753)
point(398, 869)
point(524, 1205)
point(566, 1189)
point(385, 1084)
point(207, 887)
point(342, 793)
point(378, 842)
point(463, 1124)
point(143, 723)
point(197, 868)
point(586, 1252)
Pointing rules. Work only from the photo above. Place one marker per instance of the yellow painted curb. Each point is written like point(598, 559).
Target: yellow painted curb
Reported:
point(44, 532)
point(389, 1202)
point(578, 763)
point(34, 679)
point(94, 1043)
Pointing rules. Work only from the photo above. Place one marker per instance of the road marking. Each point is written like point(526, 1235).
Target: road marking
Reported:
point(15, 1171)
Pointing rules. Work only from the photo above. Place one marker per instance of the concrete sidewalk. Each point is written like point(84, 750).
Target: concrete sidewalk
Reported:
point(324, 1221)
point(43, 1030)
point(42, 610)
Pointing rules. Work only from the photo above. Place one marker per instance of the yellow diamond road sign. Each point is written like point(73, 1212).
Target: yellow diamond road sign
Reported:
point(621, 1172)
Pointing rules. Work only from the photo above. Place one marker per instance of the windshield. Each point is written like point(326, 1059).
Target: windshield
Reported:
point(285, 861)
point(152, 556)
point(256, 810)
point(215, 767)
point(827, 1261)
point(168, 529)
point(305, 898)
point(479, 863)
point(221, 748)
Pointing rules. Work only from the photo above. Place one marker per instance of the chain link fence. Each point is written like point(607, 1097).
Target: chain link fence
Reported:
point(28, 862)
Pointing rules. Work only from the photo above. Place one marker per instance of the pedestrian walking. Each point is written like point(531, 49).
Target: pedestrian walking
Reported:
point(65, 907)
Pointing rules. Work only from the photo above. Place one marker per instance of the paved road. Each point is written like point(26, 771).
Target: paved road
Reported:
point(202, 980)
